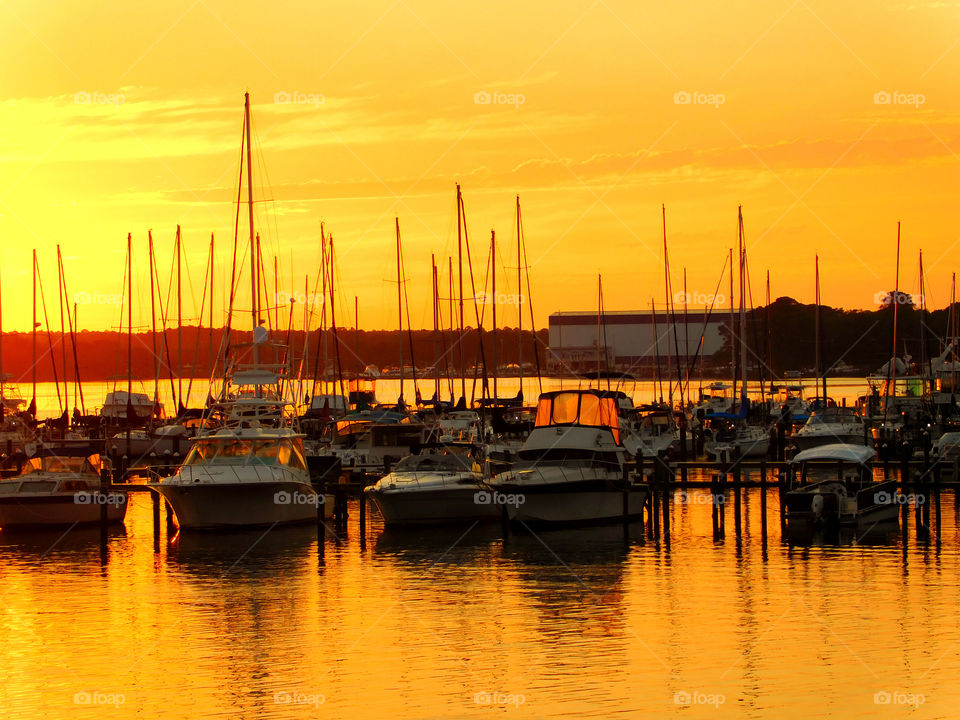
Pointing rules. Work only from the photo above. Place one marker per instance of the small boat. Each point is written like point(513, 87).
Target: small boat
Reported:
point(437, 487)
point(829, 426)
point(843, 490)
point(58, 487)
point(571, 469)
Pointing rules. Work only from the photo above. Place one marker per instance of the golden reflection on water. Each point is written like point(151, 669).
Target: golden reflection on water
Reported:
point(456, 622)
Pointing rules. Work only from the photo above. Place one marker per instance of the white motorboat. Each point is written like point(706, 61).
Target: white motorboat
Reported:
point(829, 426)
point(59, 487)
point(841, 488)
point(241, 477)
point(434, 487)
point(571, 468)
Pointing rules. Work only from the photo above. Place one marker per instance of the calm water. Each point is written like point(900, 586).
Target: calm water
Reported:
point(458, 623)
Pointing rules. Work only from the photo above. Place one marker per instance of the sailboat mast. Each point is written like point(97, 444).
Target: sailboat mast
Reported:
point(253, 247)
point(33, 402)
point(519, 303)
point(463, 371)
point(743, 311)
point(129, 333)
point(733, 347)
point(399, 306)
point(892, 374)
point(666, 292)
point(179, 321)
point(153, 321)
point(493, 276)
point(436, 329)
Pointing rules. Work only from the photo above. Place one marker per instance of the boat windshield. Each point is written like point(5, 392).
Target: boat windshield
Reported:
point(578, 408)
point(62, 464)
point(246, 452)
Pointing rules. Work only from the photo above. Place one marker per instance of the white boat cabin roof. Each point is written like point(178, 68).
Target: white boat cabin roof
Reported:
point(860, 454)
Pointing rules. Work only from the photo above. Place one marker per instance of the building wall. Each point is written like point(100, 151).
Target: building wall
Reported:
point(632, 339)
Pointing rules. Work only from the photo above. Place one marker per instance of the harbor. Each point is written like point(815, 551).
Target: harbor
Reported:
point(431, 362)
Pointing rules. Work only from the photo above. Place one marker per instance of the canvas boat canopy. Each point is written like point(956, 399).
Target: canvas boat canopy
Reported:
point(589, 408)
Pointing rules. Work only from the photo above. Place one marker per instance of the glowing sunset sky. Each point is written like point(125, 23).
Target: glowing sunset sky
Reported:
point(785, 114)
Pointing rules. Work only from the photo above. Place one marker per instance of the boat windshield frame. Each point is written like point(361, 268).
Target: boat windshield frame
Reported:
point(280, 452)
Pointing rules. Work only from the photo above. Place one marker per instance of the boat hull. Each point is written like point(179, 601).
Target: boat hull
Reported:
point(62, 510)
point(558, 495)
point(433, 507)
point(227, 506)
point(805, 442)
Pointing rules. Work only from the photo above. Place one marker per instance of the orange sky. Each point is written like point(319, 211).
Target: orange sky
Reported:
point(121, 117)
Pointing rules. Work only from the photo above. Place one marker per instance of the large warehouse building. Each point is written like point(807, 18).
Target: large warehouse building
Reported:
point(630, 341)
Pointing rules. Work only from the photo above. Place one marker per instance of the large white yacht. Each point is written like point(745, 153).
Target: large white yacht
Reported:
point(571, 468)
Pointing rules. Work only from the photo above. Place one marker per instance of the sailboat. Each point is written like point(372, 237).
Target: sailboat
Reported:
point(251, 471)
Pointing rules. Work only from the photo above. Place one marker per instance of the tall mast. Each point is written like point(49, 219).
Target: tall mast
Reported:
point(733, 347)
point(892, 374)
point(33, 402)
point(399, 306)
point(818, 332)
point(129, 333)
point(254, 300)
point(666, 292)
point(519, 303)
point(463, 370)
point(153, 322)
point(743, 311)
point(179, 322)
point(493, 274)
point(436, 328)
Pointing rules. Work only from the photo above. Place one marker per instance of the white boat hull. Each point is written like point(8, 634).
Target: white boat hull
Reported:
point(216, 506)
point(567, 495)
point(435, 506)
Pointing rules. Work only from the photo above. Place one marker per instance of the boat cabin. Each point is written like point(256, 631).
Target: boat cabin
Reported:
point(233, 450)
